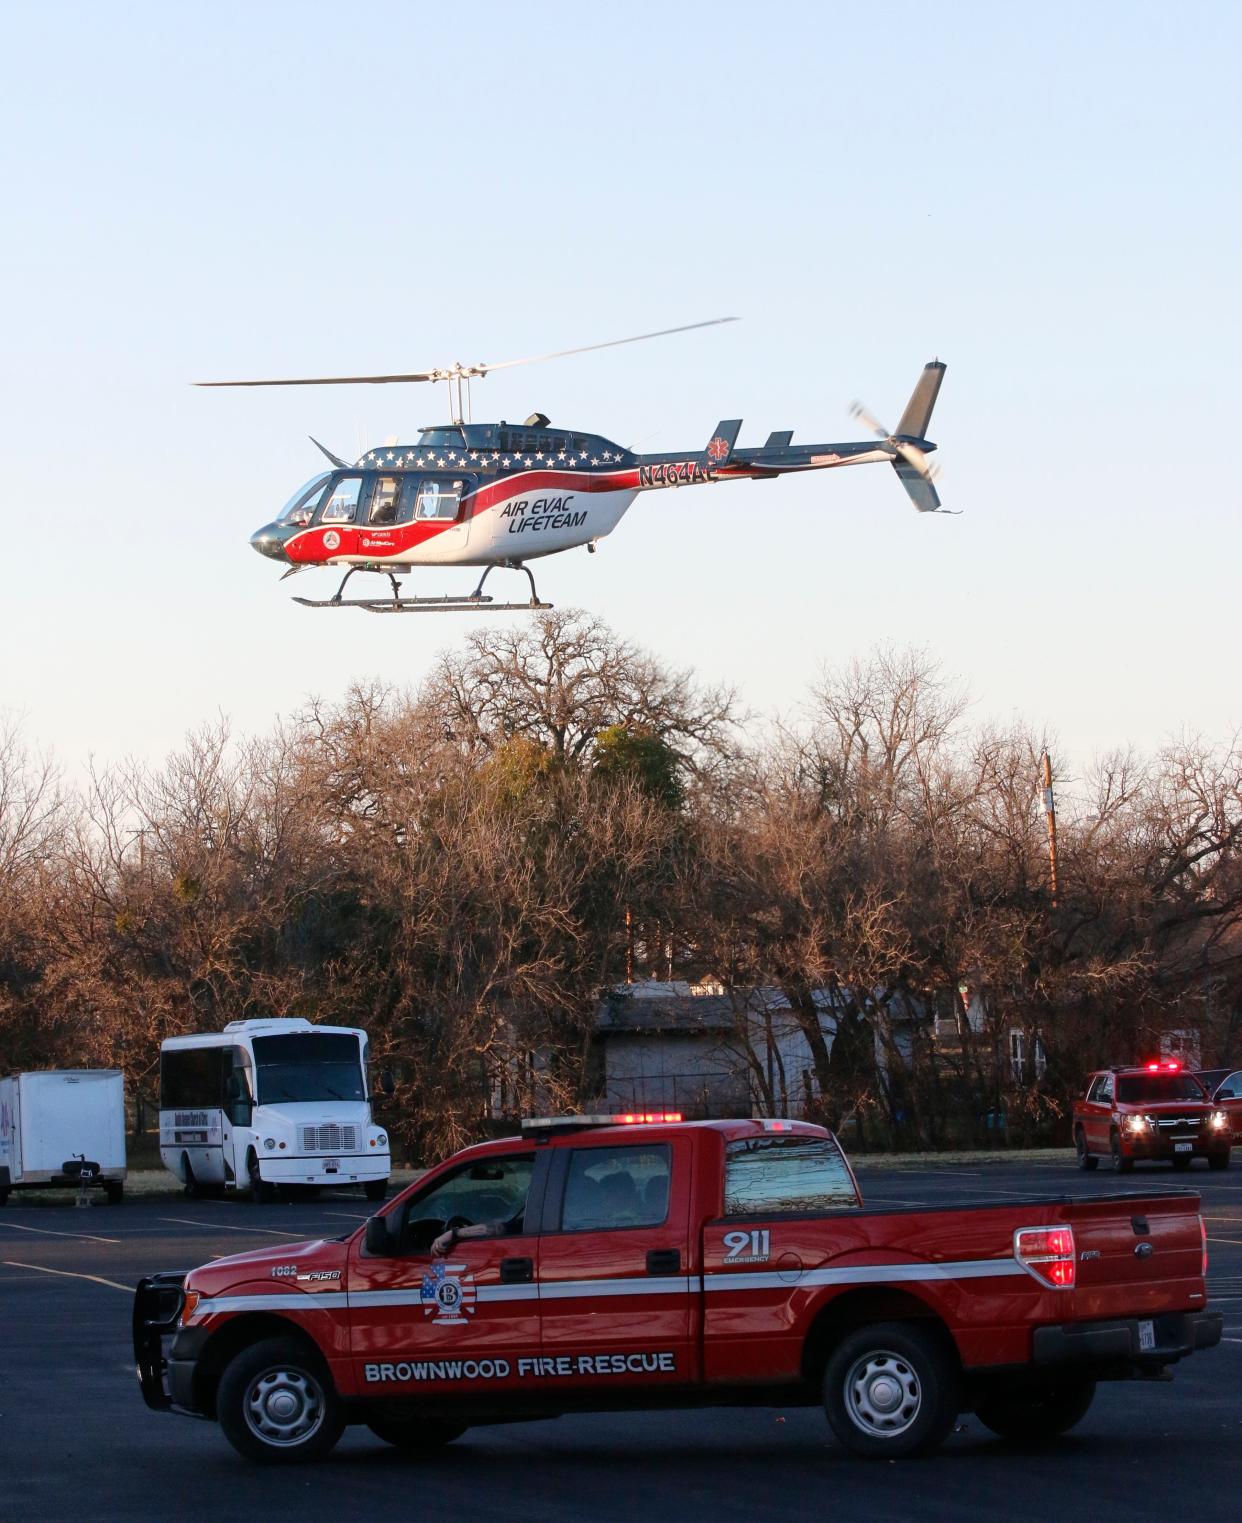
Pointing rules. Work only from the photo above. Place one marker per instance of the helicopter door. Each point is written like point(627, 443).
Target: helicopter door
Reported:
point(443, 501)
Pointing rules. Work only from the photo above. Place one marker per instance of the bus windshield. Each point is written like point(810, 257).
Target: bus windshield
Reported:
point(308, 1065)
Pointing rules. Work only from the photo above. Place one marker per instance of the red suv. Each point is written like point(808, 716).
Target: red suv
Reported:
point(1156, 1111)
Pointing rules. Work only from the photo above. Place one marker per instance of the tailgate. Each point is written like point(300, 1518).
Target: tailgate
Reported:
point(1137, 1254)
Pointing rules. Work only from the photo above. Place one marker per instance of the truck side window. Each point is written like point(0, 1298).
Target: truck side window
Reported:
point(616, 1187)
point(766, 1175)
point(492, 1191)
point(1104, 1095)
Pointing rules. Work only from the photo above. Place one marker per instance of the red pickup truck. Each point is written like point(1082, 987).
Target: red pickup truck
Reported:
point(590, 1265)
point(1156, 1111)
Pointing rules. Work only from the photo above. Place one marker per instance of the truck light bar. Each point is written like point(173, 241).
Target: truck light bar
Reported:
point(1047, 1253)
point(538, 1126)
point(1170, 1065)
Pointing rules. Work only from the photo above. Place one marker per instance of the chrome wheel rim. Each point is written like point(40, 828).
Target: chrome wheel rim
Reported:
point(284, 1407)
point(882, 1394)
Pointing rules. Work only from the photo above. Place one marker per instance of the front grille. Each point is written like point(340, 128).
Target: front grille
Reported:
point(329, 1138)
point(1181, 1123)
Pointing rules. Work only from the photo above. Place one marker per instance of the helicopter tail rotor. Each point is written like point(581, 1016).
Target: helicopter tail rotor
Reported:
point(909, 442)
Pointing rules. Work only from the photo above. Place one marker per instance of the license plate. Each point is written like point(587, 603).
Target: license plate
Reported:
point(1183, 1147)
point(1147, 1335)
point(331, 1165)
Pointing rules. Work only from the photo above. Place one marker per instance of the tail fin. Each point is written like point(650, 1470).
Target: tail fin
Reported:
point(917, 416)
point(922, 493)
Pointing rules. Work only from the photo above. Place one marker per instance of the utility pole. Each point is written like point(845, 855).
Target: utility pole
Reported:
point(1050, 812)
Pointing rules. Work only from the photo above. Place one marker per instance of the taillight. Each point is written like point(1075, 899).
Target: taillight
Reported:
point(1047, 1253)
point(1203, 1236)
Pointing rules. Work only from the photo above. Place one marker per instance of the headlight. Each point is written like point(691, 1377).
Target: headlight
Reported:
point(1218, 1120)
point(1136, 1123)
point(269, 1143)
point(382, 1140)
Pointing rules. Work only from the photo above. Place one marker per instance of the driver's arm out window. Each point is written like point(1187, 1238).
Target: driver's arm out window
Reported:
point(490, 1191)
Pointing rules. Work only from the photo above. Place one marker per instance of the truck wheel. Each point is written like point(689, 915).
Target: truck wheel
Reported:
point(277, 1404)
point(1086, 1160)
point(1219, 1160)
point(1121, 1164)
point(4, 1196)
point(260, 1191)
point(114, 1192)
point(413, 1434)
point(375, 1189)
point(890, 1391)
point(1036, 1415)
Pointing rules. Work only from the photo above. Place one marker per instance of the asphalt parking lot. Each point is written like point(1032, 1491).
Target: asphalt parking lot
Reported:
point(77, 1441)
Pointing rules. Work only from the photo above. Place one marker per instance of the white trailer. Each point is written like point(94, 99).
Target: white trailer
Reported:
point(50, 1120)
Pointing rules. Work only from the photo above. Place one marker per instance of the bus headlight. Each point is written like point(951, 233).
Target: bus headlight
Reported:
point(269, 1143)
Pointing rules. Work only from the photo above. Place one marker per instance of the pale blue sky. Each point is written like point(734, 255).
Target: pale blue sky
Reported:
point(1046, 198)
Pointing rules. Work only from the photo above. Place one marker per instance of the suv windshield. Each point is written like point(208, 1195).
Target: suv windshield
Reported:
point(308, 1065)
point(1155, 1089)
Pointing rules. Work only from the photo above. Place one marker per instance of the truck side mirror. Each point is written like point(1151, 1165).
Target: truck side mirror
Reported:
point(379, 1238)
point(1225, 1094)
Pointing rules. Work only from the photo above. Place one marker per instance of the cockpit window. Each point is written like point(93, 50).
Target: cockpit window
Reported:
point(305, 500)
point(439, 499)
point(384, 500)
point(343, 503)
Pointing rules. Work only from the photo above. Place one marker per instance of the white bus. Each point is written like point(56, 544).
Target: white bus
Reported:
point(269, 1103)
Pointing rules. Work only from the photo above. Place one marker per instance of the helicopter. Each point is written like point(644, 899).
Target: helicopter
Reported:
point(499, 495)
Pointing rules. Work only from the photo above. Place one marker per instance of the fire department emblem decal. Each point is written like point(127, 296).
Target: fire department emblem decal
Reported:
point(448, 1293)
point(718, 448)
point(331, 540)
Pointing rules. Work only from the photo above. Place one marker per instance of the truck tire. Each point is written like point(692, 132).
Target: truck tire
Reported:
point(1032, 1416)
point(891, 1391)
point(375, 1189)
point(261, 1192)
point(4, 1197)
point(1121, 1164)
point(1219, 1160)
point(114, 1191)
point(415, 1435)
point(277, 1404)
point(1086, 1160)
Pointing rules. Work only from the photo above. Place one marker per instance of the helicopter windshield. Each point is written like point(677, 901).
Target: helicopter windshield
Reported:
point(304, 501)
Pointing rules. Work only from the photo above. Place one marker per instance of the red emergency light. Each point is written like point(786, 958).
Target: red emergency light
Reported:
point(1169, 1065)
point(643, 1118)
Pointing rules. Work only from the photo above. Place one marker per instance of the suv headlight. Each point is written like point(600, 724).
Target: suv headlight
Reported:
point(1218, 1120)
point(1137, 1123)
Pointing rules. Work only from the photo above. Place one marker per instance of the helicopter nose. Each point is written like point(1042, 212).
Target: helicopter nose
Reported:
point(270, 541)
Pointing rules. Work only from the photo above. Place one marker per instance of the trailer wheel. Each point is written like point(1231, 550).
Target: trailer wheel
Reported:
point(415, 1435)
point(277, 1404)
point(114, 1191)
point(1086, 1160)
point(1121, 1164)
point(890, 1391)
point(1033, 1416)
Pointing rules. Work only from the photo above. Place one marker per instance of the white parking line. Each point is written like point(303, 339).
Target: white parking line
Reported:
point(184, 1221)
point(82, 1237)
point(70, 1274)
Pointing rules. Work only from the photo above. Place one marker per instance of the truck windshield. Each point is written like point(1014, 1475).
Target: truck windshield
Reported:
point(1154, 1089)
point(766, 1175)
point(308, 1065)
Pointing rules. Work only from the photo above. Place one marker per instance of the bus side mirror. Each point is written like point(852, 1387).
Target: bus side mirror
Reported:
point(379, 1239)
point(387, 1083)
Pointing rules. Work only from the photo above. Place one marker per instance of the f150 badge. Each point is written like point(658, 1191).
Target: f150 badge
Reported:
point(448, 1293)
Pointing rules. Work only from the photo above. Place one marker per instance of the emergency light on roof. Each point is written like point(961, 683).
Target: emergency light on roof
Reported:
point(536, 1126)
point(1170, 1065)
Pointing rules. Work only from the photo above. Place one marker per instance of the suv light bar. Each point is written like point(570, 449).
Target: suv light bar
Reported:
point(541, 1126)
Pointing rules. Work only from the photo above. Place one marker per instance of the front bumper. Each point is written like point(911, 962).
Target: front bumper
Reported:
point(157, 1306)
point(309, 1169)
point(1117, 1345)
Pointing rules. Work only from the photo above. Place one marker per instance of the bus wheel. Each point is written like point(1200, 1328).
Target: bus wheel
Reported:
point(375, 1189)
point(260, 1191)
point(277, 1404)
point(193, 1190)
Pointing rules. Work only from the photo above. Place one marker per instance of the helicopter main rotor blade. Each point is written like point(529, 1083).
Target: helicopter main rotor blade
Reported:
point(612, 343)
point(333, 380)
point(459, 371)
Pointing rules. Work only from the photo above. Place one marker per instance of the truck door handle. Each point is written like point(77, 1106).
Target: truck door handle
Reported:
point(664, 1261)
point(517, 1271)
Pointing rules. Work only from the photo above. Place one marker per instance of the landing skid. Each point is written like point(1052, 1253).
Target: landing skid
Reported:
point(423, 605)
point(475, 601)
